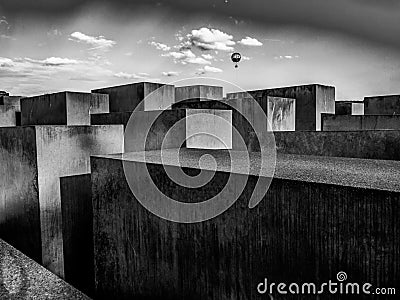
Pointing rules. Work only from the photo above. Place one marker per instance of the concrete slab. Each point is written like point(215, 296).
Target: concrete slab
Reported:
point(373, 144)
point(65, 108)
point(382, 105)
point(311, 101)
point(21, 278)
point(166, 260)
point(127, 97)
point(209, 129)
point(33, 158)
point(352, 123)
point(198, 93)
point(8, 116)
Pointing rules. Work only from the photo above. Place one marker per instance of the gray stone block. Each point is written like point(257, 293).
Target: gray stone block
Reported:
point(65, 108)
point(311, 101)
point(127, 97)
point(382, 105)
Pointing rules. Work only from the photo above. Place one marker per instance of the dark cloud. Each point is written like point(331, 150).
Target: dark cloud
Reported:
point(372, 20)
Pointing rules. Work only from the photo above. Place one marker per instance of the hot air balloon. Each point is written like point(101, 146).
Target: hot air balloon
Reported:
point(236, 57)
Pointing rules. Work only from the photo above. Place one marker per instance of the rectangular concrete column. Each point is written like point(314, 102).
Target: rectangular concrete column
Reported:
point(127, 97)
point(8, 116)
point(65, 108)
point(33, 159)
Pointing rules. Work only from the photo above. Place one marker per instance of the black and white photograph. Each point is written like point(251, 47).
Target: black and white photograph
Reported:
point(210, 149)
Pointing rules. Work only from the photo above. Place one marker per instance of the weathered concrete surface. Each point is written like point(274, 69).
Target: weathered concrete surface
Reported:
point(156, 124)
point(127, 97)
point(8, 116)
point(33, 159)
point(198, 92)
point(303, 231)
point(208, 129)
point(382, 105)
point(311, 101)
point(11, 101)
point(77, 233)
point(65, 108)
point(352, 123)
point(349, 108)
point(377, 144)
point(281, 113)
point(21, 278)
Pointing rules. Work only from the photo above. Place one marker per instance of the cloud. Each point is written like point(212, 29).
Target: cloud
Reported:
point(54, 32)
point(131, 75)
point(6, 62)
point(170, 73)
point(211, 39)
point(160, 46)
point(245, 57)
point(207, 56)
point(286, 57)
point(186, 56)
point(54, 61)
point(248, 41)
point(99, 42)
point(208, 69)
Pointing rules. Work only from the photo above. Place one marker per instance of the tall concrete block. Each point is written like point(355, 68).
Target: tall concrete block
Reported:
point(33, 159)
point(309, 225)
point(311, 101)
point(127, 97)
point(209, 129)
point(198, 92)
point(8, 116)
point(65, 108)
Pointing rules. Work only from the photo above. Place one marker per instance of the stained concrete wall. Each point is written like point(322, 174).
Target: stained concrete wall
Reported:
point(382, 105)
point(281, 113)
point(311, 101)
point(300, 232)
point(198, 92)
point(209, 129)
point(33, 160)
point(127, 97)
point(351, 123)
point(65, 108)
point(378, 144)
point(8, 116)
point(22, 278)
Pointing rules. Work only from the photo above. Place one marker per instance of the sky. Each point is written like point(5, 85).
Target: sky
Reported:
point(48, 46)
